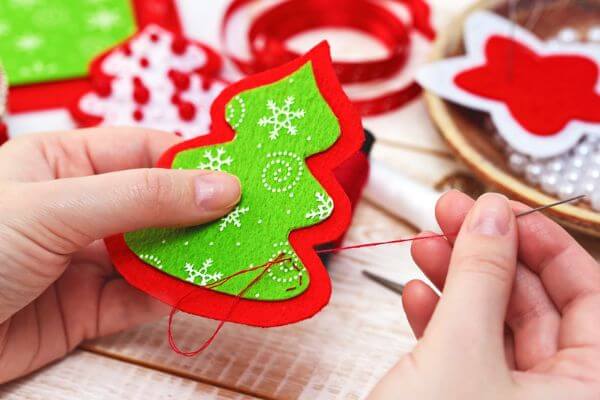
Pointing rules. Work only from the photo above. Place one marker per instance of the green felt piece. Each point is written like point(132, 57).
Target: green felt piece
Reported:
point(277, 127)
point(45, 40)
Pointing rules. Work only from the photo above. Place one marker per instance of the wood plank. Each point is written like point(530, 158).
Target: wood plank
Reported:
point(339, 354)
point(84, 375)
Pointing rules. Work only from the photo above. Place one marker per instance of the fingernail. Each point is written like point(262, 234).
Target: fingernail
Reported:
point(217, 191)
point(491, 215)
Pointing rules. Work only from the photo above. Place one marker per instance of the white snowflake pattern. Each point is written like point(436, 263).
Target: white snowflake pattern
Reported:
point(28, 42)
point(323, 209)
point(202, 273)
point(233, 218)
point(281, 118)
point(216, 161)
point(103, 20)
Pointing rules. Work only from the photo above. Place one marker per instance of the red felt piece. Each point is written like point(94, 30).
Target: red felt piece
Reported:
point(543, 93)
point(205, 302)
point(44, 96)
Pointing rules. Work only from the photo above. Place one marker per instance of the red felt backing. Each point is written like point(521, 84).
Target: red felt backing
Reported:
point(543, 93)
point(219, 306)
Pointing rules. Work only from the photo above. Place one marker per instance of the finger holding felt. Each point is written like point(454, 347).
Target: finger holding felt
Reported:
point(432, 255)
point(419, 302)
point(89, 208)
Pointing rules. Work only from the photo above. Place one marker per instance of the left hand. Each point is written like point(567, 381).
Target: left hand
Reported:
point(59, 194)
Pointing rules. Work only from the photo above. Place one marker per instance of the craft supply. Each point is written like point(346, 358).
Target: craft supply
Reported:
point(541, 96)
point(375, 86)
point(156, 79)
point(33, 35)
point(280, 118)
point(433, 236)
point(402, 196)
point(395, 287)
point(52, 90)
point(534, 136)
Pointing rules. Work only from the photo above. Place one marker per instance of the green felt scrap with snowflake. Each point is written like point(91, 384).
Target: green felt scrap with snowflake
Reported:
point(277, 127)
point(45, 40)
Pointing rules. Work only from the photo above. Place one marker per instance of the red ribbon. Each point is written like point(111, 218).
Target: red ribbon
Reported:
point(269, 32)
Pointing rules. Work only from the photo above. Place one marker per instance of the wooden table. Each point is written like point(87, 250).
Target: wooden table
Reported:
point(339, 354)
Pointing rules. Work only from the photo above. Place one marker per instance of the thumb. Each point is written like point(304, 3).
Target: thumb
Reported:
point(43, 223)
point(480, 278)
point(77, 211)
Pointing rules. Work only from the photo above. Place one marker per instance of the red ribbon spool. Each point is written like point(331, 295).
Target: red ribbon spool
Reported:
point(269, 32)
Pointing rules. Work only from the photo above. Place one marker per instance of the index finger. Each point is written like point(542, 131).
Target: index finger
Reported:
point(571, 276)
point(94, 150)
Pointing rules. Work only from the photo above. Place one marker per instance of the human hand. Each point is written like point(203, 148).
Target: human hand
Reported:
point(59, 194)
point(519, 317)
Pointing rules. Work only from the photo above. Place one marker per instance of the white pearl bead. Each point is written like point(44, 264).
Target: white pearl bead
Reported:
point(568, 35)
point(549, 183)
point(517, 162)
point(572, 175)
point(587, 187)
point(583, 149)
point(593, 34)
point(593, 172)
point(556, 166)
point(533, 172)
point(566, 190)
point(577, 162)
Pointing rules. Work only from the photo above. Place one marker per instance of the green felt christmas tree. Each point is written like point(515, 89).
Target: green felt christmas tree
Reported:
point(277, 127)
point(45, 40)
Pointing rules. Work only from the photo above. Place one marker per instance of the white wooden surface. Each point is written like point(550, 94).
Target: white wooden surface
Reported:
point(85, 375)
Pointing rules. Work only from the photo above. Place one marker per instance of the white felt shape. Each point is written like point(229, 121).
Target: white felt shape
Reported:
point(159, 113)
point(479, 27)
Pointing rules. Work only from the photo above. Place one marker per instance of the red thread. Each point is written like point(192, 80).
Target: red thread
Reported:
point(207, 343)
point(266, 267)
point(375, 244)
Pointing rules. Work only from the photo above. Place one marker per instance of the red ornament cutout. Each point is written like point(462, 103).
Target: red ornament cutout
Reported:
point(563, 86)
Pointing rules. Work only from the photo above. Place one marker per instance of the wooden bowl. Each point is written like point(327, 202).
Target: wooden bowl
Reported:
point(464, 129)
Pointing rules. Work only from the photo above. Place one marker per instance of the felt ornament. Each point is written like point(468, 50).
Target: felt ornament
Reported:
point(66, 49)
point(542, 97)
point(156, 79)
point(33, 35)
point(282, 132)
